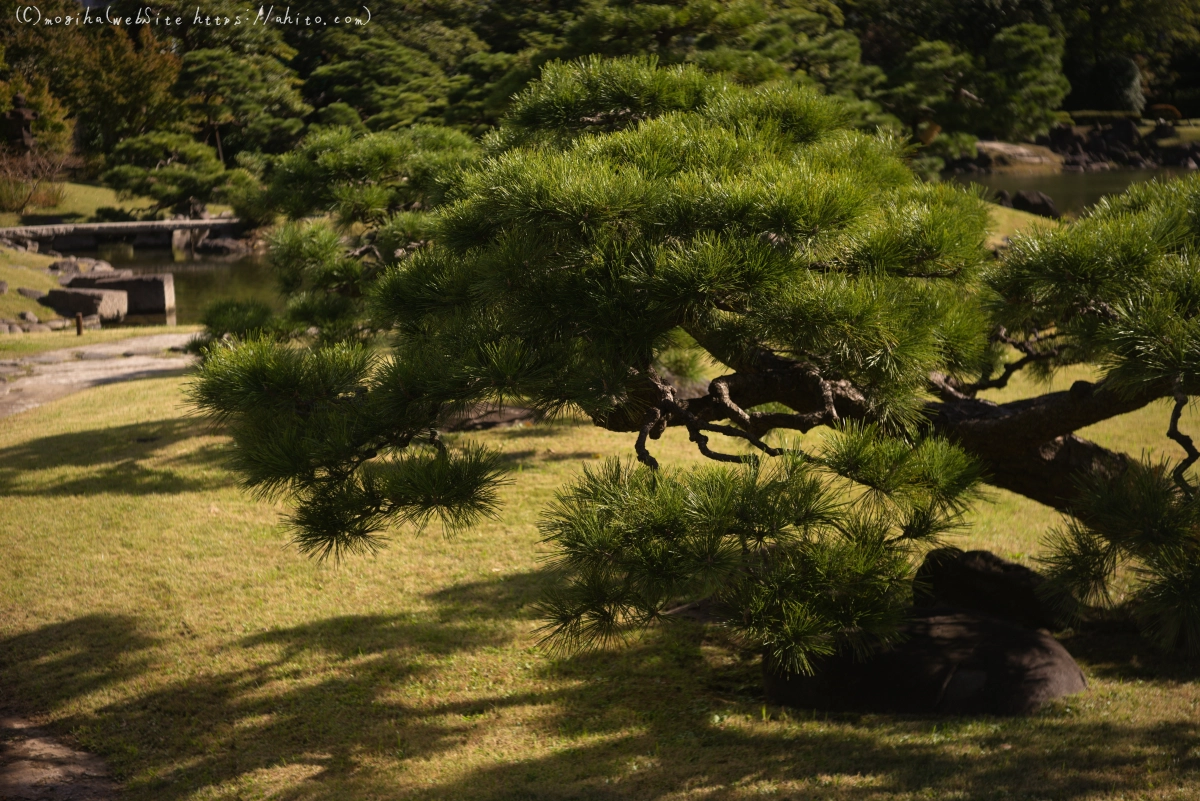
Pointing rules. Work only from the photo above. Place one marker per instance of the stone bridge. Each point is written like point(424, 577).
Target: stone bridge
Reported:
point(152, 233)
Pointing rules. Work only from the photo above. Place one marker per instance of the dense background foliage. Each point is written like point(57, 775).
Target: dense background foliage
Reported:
point(984, 68)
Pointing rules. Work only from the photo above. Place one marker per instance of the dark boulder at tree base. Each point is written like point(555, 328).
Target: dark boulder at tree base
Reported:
point(984, 582)
point(1003, 198)
point(1035, 203)
point(950, 662)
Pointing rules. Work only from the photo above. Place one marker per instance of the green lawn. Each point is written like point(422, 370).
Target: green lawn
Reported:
point(156, 614)
point(1005, 222)
point(22, 269)
point(14, 347)
point(80, 203)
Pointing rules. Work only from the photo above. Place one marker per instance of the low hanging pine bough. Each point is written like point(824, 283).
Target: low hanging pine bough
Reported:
point(587, 267)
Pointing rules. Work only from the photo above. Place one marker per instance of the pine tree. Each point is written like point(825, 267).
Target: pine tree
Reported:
point(174, 170)
point(1024, 83)
point(241, 102)
point(624, 211)
point(121, 87)
point(385, 183)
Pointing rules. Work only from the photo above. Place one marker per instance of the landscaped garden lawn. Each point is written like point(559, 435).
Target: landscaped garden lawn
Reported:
point(20, 345)
point(154, 613)
point(1006, 222)
point(24, 270)
point(80, 203)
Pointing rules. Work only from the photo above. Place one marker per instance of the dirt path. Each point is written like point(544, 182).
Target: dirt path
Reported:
point(36, 767)
point(30, 381)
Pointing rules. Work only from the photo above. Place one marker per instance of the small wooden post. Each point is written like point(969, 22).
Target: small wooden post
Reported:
point(78, 324)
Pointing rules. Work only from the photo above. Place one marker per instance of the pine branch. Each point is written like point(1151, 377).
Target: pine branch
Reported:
point(652, 419)
point(1185, 442)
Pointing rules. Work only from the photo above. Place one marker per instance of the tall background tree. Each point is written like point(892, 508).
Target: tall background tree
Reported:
point(980, 68)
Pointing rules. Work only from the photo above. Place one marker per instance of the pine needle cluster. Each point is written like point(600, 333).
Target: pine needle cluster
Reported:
point(1121, 289)
point(348, 438)
point(1142, 527)
point(802, 556)
point(355, 202)
point(622, 203)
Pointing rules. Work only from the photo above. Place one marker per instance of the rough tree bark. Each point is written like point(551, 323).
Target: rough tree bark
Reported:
point(1027, 446)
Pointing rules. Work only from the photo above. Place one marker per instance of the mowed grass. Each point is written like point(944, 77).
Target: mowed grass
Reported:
point(80, 203)
point(27, 270)
point(1006, 222)
point(17, 345)
point(154, 613)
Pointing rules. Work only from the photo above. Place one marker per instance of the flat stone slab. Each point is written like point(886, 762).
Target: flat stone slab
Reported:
point(59, 373)
point(147, 294)
point(109, 304)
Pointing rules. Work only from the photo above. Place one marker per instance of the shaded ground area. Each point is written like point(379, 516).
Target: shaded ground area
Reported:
point(33, 765)
point(32, 381)
point(153, 613)
point(36, 767)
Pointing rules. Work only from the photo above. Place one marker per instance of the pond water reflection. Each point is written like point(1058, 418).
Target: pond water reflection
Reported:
point(199, 280)
point(1072, 192)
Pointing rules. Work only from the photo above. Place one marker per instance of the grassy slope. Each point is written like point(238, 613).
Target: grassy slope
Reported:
point(1006, 222)
point(21, 269)
point(79, 205)
point(155, 612)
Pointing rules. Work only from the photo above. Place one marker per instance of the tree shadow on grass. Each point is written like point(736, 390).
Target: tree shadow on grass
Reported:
point(51, 219)
point(663, 719)
point(355, 701)
point(325, 695)
point(63, 661)
point(114, 460)
point(531, 458)
point(846, 762)
point(507, 598)
point(554, 428)
point(1116, 649)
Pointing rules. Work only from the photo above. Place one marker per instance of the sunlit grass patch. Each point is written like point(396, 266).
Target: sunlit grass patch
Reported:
point(78, 204)
point(1006, 222)
point(24, 270)
point(18, 345)
point(158, 615)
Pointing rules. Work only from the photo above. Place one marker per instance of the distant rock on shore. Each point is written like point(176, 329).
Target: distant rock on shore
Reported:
point(1119, 144)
